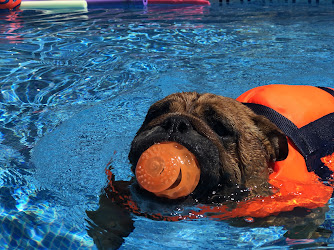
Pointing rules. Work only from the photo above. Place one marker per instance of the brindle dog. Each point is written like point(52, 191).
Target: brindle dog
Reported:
point(232, 144)
point(234, 148)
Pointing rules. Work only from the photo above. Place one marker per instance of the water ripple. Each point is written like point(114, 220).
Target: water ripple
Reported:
point(54, 66)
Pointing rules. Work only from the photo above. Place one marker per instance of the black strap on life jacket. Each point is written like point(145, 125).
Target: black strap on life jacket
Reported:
point(328, 90)
point(313, 140)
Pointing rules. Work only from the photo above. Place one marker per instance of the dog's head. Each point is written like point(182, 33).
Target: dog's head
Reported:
point(234, 147)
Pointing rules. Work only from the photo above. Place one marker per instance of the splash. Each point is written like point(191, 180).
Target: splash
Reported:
point(328, 161)
point(289, 195)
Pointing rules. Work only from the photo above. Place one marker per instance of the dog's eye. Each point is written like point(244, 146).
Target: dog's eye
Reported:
point(156, 111)
point(220, 128)
point(223, 130)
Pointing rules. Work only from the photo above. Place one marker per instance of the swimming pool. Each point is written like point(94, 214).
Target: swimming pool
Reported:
point(75, 88)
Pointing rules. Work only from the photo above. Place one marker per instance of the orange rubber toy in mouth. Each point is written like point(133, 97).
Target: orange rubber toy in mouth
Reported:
point(168, 170)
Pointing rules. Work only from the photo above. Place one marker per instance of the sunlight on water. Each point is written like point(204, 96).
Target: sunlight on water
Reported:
point(75, 88)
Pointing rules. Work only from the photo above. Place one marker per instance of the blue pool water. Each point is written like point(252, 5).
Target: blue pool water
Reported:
point(75, 87)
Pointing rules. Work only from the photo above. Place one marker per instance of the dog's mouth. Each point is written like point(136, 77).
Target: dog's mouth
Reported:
point(205, 152)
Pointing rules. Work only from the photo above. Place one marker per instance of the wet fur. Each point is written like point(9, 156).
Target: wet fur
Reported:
point(235, 149)
point(234, 146)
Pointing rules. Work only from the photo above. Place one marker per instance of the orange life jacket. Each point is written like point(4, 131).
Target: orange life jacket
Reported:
point(306, 115)
point(304, 108)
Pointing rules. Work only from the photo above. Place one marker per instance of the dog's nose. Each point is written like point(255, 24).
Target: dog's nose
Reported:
point(175, 124)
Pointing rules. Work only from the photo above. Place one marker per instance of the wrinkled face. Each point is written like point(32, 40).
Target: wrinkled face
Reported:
point(234, 146)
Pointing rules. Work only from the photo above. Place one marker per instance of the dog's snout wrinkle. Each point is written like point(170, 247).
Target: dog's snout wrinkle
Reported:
point(176, 124)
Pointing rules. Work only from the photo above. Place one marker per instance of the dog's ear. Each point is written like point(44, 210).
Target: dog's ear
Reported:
point(276, 137)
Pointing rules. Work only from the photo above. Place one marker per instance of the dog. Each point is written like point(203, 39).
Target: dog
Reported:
point(236, 147)
point(232, 142)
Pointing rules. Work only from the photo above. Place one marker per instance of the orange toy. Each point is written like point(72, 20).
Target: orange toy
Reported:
point(10, 4)
point(168, 170)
